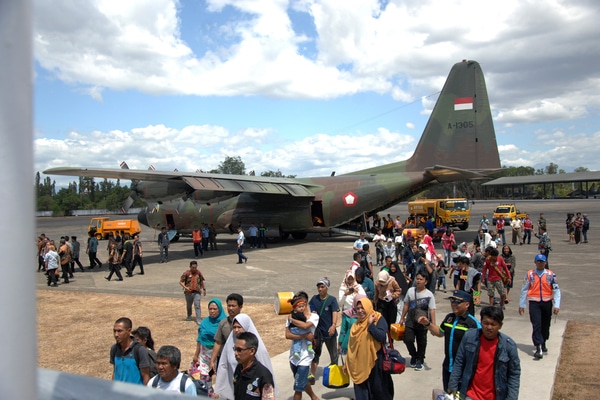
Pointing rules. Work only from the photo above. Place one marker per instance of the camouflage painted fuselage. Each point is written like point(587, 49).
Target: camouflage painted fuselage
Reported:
point(458, 143)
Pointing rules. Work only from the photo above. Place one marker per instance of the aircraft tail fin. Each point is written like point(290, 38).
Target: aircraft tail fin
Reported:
point(460, 132)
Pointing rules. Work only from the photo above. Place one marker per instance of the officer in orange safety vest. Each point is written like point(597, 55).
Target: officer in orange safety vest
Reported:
point(541, 290)
point(197, 239)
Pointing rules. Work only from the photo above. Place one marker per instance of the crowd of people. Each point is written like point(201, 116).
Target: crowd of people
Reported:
point(126, 252)
point(403, 290)
point(397, 286)
point(229, 352)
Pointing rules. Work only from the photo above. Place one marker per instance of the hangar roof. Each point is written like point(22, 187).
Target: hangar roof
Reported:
point(587, 176)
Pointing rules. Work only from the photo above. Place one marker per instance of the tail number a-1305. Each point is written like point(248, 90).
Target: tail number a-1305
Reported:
point(461, 125)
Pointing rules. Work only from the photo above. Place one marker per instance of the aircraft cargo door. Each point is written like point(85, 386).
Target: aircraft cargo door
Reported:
point(316, 213)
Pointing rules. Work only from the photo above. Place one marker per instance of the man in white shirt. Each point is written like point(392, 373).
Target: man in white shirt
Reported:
point(358, 243)
point(379, 241)
point(168, 360)
point(301, 365)
point(240, 246)
point(517, 231)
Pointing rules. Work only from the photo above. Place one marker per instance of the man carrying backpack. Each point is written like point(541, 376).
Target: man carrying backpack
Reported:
point(168, 360)
point(366, 260)
point(129, 358)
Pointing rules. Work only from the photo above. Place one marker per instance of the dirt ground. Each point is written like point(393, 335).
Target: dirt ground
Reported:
point(576, 377)
point(75, 335)
point(75, 328)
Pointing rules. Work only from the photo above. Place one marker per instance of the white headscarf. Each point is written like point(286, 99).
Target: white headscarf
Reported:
point(346, 301)
point(227, 363)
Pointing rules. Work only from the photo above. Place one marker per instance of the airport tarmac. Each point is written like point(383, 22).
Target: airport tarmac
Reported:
point(293, 265)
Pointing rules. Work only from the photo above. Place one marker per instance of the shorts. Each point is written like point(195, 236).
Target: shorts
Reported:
point(495, 285)
point(300, 376)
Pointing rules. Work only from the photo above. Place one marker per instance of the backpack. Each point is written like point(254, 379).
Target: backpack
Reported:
point(201, 387)
point(365, 264)
point(586, 223)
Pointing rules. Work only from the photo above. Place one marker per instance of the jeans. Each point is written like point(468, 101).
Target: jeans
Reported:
point(164, 253)
point(240, 253)
point(198, 249)
point(527, 236)
point(441, 281)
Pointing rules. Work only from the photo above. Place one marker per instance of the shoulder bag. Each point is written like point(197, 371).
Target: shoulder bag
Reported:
point(393, 362)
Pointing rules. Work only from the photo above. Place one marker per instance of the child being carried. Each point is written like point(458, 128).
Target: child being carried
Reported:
point(299, 314)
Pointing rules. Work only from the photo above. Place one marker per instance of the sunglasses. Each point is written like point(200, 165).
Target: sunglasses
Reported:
point(456, 301)
point(239, 349)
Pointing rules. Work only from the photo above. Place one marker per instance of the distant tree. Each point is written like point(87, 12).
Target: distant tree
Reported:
point(66, 200)
point(581, 169)
point(275, 174)
point(45, 203)
point(516, 171)
point(551, 169)
point(231, 166)
point(116, 198)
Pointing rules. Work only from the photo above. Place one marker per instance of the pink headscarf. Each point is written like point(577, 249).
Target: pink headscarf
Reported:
point(429, 242)
point(352, 311)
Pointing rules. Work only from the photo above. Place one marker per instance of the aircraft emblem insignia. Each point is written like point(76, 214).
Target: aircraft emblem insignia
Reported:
point(350, 199)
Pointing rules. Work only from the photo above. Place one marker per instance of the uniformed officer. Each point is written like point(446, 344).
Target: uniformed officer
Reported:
point(541, 290)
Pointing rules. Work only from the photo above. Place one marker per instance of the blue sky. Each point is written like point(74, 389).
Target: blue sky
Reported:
point(306, 86)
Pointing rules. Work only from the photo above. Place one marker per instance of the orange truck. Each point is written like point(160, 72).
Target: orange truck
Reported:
point(103, 226)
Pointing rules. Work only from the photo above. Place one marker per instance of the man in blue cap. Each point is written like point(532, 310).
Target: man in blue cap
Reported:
point(540, 289)
point(452, 329)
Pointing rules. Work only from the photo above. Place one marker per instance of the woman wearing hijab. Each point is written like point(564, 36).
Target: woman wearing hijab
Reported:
point(430, 246)
point(397, 273)
point(349, 290)
point(206, 339)
point(387, 293)
point(365, 354)
point(228, 363)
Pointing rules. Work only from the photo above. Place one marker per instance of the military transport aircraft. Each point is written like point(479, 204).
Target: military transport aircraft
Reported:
point(458, 143)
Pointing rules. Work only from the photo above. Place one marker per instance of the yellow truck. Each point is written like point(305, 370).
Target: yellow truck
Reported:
point(446, 212)
point(101, 227)
point(507, 212)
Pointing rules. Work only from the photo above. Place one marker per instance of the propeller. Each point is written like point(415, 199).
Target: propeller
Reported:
point(182, 201)
point(133, 195)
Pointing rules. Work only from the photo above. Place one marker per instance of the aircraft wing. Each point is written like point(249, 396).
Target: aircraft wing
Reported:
point(450, 174)
point(214, 183)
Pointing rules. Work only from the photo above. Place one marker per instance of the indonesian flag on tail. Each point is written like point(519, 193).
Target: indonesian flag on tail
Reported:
point(463, 103)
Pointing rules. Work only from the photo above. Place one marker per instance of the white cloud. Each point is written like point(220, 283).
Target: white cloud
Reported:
point(541, 111)
point(535, 50)
point(187, 150)
point(540, 59)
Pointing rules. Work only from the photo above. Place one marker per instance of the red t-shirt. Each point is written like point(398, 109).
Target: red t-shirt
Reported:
point(490, 270)
point(482, 386)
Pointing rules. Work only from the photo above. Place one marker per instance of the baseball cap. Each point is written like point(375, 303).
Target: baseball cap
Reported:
point(423, 246)
point(390, 240)
point(540, 257)
point(460, 295)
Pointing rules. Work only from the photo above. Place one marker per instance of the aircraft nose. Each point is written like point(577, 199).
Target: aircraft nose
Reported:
point(143, 217)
